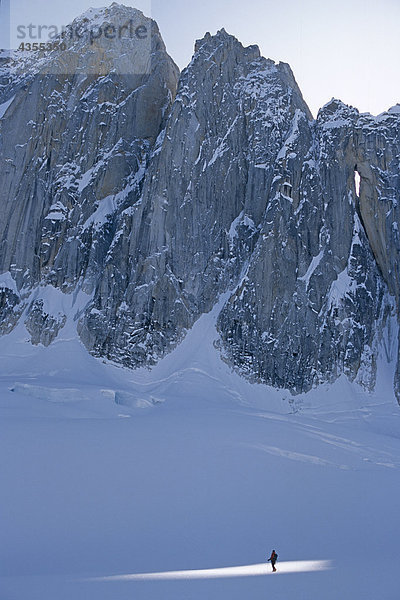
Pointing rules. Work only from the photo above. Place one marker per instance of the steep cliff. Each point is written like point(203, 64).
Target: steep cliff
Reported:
point(154, 199)
point(75, 142)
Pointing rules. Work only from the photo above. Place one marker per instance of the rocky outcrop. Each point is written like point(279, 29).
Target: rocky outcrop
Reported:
point(325, 301)
point(11, 306)
point(155, 200)
point(42, 326)
point(377, 148)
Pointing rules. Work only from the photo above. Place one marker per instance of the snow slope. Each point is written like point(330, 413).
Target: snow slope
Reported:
point(176, 483)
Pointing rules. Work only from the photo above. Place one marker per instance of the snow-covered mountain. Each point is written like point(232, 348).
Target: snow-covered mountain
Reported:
point(150, 194)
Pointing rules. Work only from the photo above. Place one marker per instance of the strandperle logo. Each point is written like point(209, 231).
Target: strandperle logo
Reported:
point(30, 33)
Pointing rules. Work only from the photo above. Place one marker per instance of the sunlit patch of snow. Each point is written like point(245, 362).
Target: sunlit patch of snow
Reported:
point(301, 566)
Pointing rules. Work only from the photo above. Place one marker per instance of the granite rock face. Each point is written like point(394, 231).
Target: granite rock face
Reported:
point(203, 198)
point(74, 146)
point(154, 197)
point(326, 303)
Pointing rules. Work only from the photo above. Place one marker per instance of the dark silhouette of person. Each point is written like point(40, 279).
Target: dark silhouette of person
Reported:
point(273, 558)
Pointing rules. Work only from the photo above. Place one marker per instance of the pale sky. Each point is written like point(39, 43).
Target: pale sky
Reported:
point(349, 49)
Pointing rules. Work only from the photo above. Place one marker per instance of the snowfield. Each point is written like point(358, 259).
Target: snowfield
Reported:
point(176, 483)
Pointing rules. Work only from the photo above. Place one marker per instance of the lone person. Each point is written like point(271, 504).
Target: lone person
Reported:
point(273, 558)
